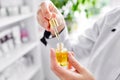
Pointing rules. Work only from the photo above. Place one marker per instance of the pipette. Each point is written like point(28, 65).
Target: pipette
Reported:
point(54, 24)
point(61, 52)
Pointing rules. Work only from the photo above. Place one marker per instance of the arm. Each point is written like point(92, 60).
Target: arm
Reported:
point(85, 43)
point(83, 46)
point(79, 72)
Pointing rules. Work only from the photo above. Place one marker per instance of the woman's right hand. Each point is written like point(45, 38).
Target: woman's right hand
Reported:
point(78, 73)
point(47, 11)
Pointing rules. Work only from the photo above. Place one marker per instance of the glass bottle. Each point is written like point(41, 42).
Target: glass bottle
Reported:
point(4, 45)
point(10, 41)
point(16, 36)
point(62, 55)
point(24, 33)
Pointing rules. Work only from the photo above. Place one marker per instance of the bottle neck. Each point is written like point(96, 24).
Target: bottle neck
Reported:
point(60, 46)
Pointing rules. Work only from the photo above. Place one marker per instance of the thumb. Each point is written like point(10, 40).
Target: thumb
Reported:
point(53, 57)
point(75, 63)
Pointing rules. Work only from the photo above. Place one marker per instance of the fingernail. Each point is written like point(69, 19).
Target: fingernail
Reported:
point(52, 50)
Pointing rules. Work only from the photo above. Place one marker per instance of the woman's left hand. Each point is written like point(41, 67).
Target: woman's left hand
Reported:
point(80, 73)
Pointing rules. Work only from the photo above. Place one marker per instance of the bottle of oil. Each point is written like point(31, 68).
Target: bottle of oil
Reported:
point(61, 52)
point(62, 55)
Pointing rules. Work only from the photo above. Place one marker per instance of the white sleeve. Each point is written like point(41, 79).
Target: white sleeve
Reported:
point(83, 46)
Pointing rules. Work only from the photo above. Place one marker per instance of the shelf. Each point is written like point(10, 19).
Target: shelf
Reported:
point(16, 54)
point(29, 73)
point(13, 19)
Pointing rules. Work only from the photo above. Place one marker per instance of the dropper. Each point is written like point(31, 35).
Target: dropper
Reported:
point(54, 24)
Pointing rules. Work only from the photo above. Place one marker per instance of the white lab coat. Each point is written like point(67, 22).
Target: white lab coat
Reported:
point(101, 44)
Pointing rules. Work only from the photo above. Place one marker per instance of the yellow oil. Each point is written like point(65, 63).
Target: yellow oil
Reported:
point(62, 57)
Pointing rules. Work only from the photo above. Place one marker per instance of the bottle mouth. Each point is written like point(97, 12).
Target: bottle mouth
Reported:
point(60, 46)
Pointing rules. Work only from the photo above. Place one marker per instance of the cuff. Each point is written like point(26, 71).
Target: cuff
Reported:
point(62, 37)
point(45, 36)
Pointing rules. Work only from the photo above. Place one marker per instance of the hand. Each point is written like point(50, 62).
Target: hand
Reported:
point(80, 72)
point(47, 11)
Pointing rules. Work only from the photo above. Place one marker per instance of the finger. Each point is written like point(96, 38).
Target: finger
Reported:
point(54, 66)
point(53, 57)
point(69, 64)
point(54, 15)
point(75, 63)
point(43, 22)
point(45, 9)
point(52, 8)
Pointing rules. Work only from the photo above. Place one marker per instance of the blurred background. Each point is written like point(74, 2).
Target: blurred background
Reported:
point(22, 55)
